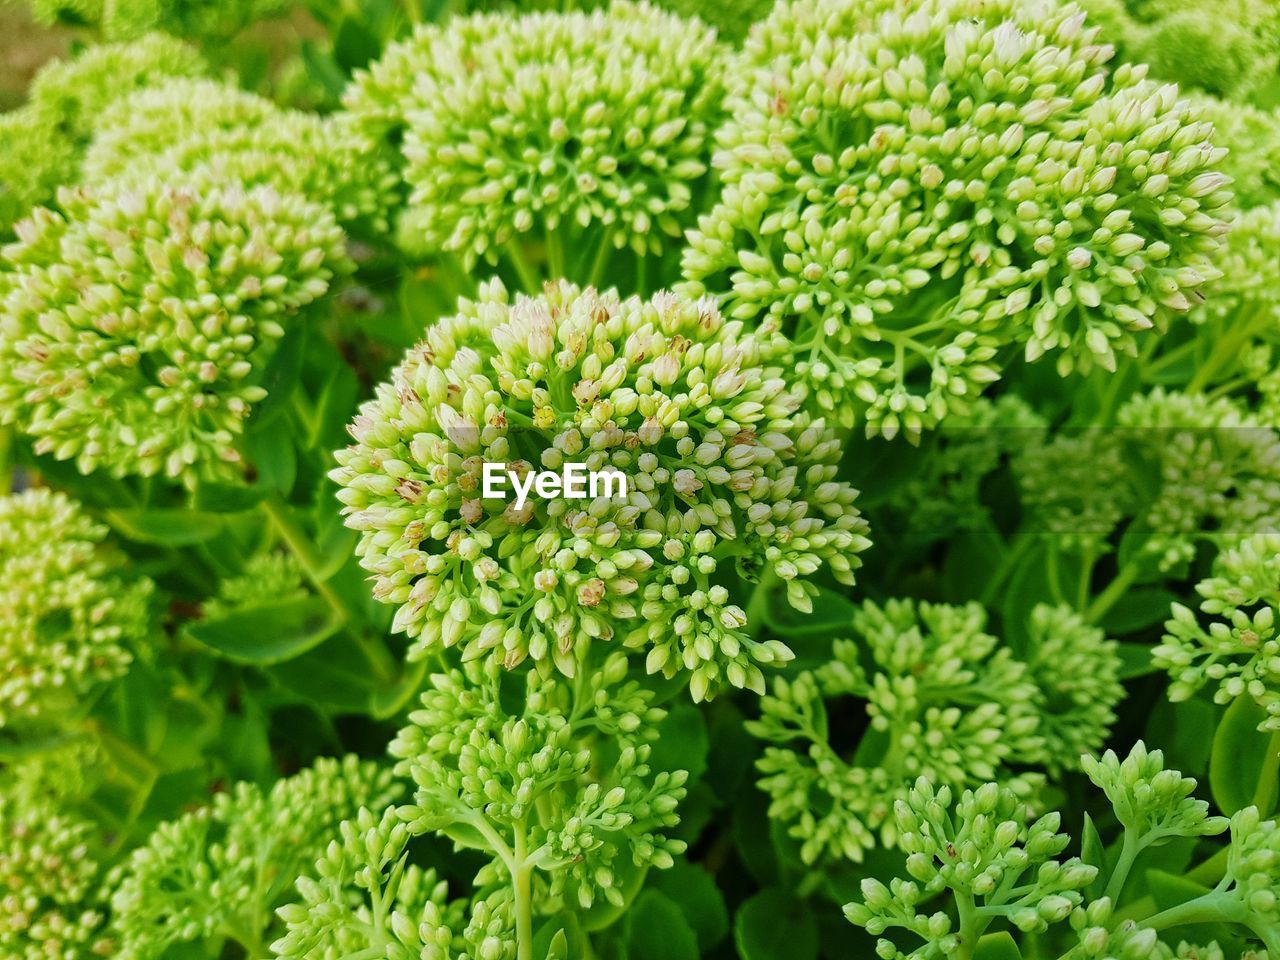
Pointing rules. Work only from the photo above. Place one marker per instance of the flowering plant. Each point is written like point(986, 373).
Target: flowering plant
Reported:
point(641, 479)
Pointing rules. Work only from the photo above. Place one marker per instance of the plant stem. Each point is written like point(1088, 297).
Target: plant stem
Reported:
point(281, 516)
point(758, 605)
point(529, 278)
point(555, 255)
point(1212, 907)
point(1129, 851)
point(599, 263)
point(522, 882)
point(1109, 597)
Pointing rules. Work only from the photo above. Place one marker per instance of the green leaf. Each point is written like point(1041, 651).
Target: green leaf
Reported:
point(390, 700)
point(751, 837)
point(1137, 609)
point(558, 948)
point(267, 632)
point(270, 450)
point(1093, 852)
point(354, 45)
point(169, 527)
point(334, 676)
point(280, 377)
point(997, 946)
point(1238, 757)
point(972, 559)
point(1135, 660)
point(831, 613)
point(773, 925)
point(1170, 890)
point(227, 497)
point(656, 930)
point(699, 899)
point(682, 742)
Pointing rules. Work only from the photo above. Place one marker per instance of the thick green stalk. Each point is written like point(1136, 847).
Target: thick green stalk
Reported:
point(1214, 907)
point(1109, 597)
point(1129, 851)
point(522, 882)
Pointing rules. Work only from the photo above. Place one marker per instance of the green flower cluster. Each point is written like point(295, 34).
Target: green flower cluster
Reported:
point(67, 620)
point(526, 782)
point(963, 176)
point(267, 578)
point(49, 878)
point(35, 158)
point(944, 701)
point(1239, 653)
point(136, 324)
point(554, 782)
point(1150, 801)
point(1229, 48)
point(184, 18)
point(998, 867)
point(202, 131)
point(41, 142)
point(1251, 137)
point(76, 91)
point(590, 129)
point(692, 409)
point(219, 872)
point(1180, 468)
point(987, 854)
point(366, 896)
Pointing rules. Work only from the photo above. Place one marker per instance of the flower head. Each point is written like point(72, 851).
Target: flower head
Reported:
point(1239, 652)
point(981, 849)
point(1078, 672)
point(568, 122)
point(964, 175)
point(137, 323)
point(694, 411)
point(66, 619)
point(122, 21)
point(1193, 43)
point(49, 858)
point(76, 91)
point(201, 876)
point(1149, 799)
point(213, 133)
point(35, 159)
point(525, 767)
point(943, 701)
point(1251, 137)
point(364, 883)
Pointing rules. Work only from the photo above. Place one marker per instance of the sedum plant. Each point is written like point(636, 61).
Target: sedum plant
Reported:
point(217, 873)
point(211, 132)
point(587, 131)
point(69, 622)
point(944, 701)
point(999, 867)
point(693, 408)
point(438, 439)
point(164, 308)
point(982, 182)
point(1237, 653)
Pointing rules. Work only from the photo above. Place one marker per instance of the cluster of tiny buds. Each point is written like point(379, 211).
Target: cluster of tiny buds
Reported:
point(688, 409)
